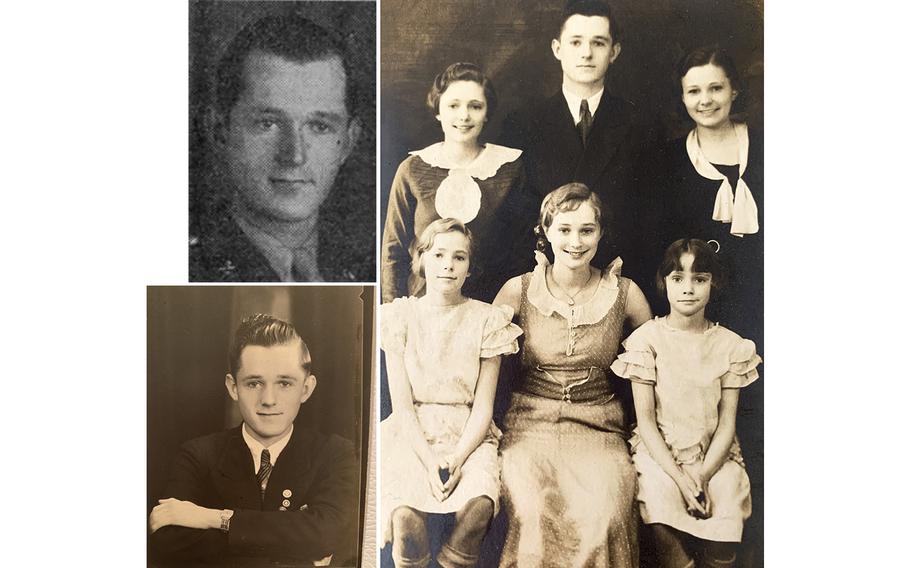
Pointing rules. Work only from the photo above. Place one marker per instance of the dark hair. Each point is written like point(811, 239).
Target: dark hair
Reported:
point(710, 55)
point(705, 260)
point(266, 331)
point(425, 242)
point(461, 72)
point(589, 8)
point(290, 36)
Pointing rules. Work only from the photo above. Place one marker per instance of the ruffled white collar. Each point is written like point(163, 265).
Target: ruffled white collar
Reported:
point(484, 166)
point(588, 313)
point(740, 211)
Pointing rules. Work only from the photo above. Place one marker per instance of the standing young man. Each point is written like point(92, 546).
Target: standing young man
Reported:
point(266, 489)
point(583, 133)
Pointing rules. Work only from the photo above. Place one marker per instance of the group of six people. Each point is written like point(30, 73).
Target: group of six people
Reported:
point(528, 226)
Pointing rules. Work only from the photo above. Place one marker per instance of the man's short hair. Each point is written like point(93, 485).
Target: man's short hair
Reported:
point(589, 8)
point(289, 36)
point(264, 330)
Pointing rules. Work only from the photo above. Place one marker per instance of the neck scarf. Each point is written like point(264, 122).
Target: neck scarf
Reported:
point(740, 210)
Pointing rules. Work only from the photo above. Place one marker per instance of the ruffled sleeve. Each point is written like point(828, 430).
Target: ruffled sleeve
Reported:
point(743, 366)
point(500, 335)
point(393, 327)
point(637, 362)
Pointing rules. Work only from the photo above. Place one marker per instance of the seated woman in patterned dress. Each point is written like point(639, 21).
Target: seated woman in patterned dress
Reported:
point(568, 480)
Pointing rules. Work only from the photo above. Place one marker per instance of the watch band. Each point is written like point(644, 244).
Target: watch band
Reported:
point(226, 519)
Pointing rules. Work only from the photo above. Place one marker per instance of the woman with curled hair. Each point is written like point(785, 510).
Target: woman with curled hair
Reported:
point(714, 184)
point(568, 480)
point(460, 177)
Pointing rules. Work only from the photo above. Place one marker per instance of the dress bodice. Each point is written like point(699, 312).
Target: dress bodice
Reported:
point(566, 338)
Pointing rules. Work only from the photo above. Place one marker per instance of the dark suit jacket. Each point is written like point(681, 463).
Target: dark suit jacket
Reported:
point(216, 471)
point(610, 164)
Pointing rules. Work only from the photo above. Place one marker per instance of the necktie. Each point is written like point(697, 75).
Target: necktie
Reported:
point(584, 125)
point(265, 468)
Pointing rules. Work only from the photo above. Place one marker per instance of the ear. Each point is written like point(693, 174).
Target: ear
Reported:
point(617, 47)
point(554, 45)
point(352, 135)
point(231, 386)
point(309, 385)
point(735, 94)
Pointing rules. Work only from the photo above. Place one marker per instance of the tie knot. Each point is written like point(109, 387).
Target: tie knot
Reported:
point(265, 460)
point(584, 106)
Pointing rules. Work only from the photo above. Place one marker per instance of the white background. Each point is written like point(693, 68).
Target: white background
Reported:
point(94, 208)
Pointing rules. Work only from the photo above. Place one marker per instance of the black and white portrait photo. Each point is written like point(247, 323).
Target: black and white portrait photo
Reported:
point(571, 269)
point(258, 425)
point(282, 141)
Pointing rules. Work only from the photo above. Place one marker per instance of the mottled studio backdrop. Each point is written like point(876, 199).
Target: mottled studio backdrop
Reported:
point(511, 39)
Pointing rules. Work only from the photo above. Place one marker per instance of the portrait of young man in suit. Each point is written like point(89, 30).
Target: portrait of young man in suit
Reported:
point(285, 118)
point(583, 133)
point(267, 490)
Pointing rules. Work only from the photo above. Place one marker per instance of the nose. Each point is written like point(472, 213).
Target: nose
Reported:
point(688, 288)
point(463, 112)
point(586, 50)
point(292, 147)
point(705, 97)
point(575, 240)
point(447, 263)
point(267, 398)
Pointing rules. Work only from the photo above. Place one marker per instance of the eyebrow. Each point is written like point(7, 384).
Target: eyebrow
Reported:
point(579, 36)
point(319, 114)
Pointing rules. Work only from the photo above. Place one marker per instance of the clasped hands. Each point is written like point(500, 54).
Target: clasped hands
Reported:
point(443, 476)
point(693, 487)
point(184, 514)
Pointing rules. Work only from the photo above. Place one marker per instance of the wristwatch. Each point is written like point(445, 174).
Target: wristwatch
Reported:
point(226, 519)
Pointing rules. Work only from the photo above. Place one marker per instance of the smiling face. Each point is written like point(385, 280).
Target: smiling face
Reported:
point(585, 49)
point(708, 95)
point(462, 111)
point(446, 263)
point(574, 236)
point(270, 386)
point(688, 292)
point(287, 135)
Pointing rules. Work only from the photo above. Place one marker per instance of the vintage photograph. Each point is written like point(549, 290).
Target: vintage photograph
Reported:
point(571, 269)
point(258, 425)
point(282, 137)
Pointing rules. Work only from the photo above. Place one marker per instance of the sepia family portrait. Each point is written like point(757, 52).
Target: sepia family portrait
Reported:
point(571, 269)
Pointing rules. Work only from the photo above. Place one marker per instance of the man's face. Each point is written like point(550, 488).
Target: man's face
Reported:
point(287, 135)
point(270, 386)
point(585, 50)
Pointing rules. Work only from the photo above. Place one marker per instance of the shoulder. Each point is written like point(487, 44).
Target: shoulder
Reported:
point(324, 447)
point(210, 445)
point(510, 293)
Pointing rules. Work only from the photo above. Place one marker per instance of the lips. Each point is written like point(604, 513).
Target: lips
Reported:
point(575, 253)
point(290, 184)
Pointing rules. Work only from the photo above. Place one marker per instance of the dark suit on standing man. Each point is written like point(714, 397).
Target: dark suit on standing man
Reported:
point(306, 514)
point(608, 163)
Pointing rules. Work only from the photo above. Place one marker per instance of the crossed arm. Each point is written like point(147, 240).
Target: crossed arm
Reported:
point(183, 529)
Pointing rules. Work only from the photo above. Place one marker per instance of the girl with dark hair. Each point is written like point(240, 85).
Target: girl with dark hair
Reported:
point(714, 183)
point(686, 375)
point(461, 178)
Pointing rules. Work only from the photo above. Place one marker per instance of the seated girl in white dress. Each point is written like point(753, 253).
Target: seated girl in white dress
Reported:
point(439, 446)
point(693, 489)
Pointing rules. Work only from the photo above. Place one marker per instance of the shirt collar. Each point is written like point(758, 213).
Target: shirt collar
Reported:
point(256, 448)
point(574, 102)
point(280, 257)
